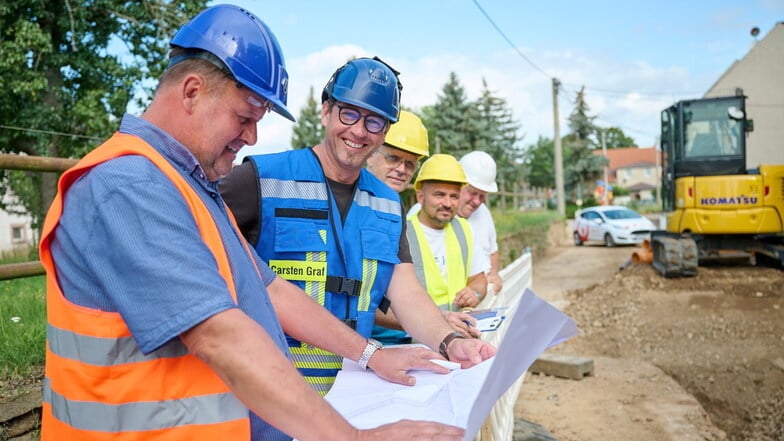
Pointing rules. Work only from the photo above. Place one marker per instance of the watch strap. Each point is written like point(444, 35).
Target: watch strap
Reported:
point(445, 343)
point(370, 349)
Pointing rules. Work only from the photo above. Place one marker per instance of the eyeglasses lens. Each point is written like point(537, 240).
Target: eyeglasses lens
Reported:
point(395, 160)
point(373, 124)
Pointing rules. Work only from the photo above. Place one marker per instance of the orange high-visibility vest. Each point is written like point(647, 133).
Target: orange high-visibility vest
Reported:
point(98, 385)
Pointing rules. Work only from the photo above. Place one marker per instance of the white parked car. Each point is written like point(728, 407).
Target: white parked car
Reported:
point(611, 224)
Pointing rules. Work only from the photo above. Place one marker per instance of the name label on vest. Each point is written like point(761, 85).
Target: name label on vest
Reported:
point(298, 270)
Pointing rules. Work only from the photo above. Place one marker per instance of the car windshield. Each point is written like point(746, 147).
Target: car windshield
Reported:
point(621, 214)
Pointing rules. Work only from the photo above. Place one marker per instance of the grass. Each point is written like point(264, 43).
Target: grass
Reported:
point(517, 230)
point(22, 326)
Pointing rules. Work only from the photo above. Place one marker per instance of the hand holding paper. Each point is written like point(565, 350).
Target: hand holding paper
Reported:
point(455, 398)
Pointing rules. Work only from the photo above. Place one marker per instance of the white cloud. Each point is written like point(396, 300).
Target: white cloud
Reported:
point(624, 94)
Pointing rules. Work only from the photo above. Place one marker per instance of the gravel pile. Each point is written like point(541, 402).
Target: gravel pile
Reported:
point(719, 334)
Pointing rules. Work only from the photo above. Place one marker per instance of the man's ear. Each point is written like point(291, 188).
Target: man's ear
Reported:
point(420, 196)
point(192, 87)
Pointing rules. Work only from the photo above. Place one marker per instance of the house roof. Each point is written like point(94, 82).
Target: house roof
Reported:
point(630, 157)
point(640, 186)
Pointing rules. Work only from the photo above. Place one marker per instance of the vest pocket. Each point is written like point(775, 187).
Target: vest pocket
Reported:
point(380, 245)
point(300, 235)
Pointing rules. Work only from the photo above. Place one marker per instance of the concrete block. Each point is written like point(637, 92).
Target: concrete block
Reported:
point(562, 365)
point(529, 431)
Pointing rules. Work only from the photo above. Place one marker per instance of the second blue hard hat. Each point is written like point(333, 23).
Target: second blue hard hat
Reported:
point(368, 83)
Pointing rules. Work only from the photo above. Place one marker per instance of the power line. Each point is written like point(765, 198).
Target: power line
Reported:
point(600, 91)
point(564, 100)
point(626, 128)
point(49, 132)
point(594, 89)
point(500, 32)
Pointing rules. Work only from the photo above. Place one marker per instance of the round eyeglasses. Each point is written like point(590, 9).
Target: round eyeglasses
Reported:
point(350, 116)
point(394, 161)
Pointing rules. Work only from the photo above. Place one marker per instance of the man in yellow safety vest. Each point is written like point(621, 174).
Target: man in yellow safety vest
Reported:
point(441, 243)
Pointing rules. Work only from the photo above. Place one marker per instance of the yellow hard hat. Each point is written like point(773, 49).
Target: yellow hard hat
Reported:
point(408, 134)
point(441, 167)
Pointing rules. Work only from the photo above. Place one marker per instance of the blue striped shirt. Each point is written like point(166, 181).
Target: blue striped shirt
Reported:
point(127, 242)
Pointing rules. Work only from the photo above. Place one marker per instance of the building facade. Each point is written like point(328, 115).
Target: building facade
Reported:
point(16, 233)
point(635, 169)
point(760, 74)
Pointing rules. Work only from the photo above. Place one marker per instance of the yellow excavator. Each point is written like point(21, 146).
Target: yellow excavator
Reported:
point(716, 207)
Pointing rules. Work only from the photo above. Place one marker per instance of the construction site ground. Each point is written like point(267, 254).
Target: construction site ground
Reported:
point(698, 358)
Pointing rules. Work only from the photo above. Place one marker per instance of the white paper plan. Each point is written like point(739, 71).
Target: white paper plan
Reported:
point(464, 397)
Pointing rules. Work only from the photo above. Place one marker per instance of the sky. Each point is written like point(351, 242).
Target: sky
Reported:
point(634, 58)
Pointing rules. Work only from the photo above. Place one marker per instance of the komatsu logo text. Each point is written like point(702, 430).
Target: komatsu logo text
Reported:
point(734, 200)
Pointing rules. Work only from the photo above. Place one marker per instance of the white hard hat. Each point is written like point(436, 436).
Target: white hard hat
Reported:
point(479, 168)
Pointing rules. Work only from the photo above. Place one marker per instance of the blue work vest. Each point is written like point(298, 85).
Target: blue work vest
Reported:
point(346, 267)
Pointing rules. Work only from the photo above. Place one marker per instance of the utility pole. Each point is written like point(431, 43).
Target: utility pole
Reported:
point(658, 153)
point(606, 183)
point(558, 154)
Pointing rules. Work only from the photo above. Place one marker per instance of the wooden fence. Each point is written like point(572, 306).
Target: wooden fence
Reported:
point(36, 164)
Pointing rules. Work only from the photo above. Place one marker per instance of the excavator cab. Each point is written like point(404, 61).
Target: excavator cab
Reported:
point(702, 137)
point(716, 207)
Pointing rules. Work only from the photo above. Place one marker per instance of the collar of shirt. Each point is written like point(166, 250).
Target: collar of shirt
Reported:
point(169, 147)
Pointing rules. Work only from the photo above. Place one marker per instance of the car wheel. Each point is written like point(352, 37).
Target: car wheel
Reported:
point(608, 241)
point(577, 240)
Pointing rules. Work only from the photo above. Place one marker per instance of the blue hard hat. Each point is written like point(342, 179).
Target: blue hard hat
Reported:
point(245, 45)
point(368, 83)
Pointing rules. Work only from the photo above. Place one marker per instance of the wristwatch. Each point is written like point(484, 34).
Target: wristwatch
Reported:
point(370, 349)
point(445, 343)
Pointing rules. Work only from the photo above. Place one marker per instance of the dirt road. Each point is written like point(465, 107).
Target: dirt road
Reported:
point(674, 359)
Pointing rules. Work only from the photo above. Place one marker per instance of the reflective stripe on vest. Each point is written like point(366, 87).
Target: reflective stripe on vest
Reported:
point(458, 244)
point(98, 385)
point(365, 199)
point(144, 416)
point(317, 191)
point(287, 189)
point(298, 238)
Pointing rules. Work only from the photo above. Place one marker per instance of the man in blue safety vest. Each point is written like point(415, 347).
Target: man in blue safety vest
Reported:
point(325, 223)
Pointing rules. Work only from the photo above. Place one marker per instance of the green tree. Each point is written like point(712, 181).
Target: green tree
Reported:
point(308, 130)
point(65, 82)
point(539, 163)
point(581, 166)
point(450, 121)
point(615, 138)
point(498, 134)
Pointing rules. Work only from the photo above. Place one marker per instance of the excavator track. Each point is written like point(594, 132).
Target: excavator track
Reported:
point(675, 256)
